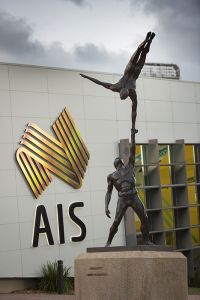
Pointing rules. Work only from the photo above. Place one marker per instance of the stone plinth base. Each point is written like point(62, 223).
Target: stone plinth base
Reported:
point(158, 248)
point(131, 275)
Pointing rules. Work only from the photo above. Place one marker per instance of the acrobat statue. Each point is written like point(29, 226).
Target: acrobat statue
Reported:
point(127, 84)
point(123, 179)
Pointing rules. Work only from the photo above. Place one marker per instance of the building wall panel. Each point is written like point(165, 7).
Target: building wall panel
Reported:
point(167, 110)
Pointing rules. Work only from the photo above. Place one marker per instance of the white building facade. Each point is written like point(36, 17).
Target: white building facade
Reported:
point(167, 110)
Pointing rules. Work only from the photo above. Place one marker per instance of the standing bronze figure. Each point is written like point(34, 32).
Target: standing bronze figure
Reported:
point(123, 179)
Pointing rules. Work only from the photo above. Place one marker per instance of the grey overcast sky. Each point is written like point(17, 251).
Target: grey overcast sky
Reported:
point(100, 35)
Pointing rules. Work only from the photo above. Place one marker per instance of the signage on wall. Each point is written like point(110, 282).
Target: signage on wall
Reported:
point(67, 157)
point(41, 154)
point(41, 215)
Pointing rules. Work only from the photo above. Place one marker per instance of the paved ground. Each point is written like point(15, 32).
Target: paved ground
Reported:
point(54, 297)
point(37, 297)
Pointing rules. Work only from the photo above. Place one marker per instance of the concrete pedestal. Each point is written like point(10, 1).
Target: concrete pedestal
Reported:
point(131, 275)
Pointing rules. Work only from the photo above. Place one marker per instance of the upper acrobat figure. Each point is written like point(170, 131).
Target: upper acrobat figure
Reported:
point(127, 84)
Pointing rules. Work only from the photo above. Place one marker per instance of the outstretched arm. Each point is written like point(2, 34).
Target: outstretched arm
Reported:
point(108, 195)
point(107, 85)
point(132, 149)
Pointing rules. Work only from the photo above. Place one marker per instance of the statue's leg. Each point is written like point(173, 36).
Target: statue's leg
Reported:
point(136, 55)
point(138, 207)
point(120, 211)
point(141, 47)
point(145, 50)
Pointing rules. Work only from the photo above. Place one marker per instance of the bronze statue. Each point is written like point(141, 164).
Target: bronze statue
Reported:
point(123, 179)
point(127, 84)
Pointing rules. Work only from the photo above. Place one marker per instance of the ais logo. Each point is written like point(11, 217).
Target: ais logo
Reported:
point(67, 157)
point(41, 154)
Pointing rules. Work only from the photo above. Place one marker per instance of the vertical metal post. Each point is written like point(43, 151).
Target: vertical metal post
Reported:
point(60, 280)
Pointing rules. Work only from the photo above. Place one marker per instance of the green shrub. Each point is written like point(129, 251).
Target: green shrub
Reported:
point(48, 282)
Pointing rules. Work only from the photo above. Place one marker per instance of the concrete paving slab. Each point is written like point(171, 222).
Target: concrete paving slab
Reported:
point(55, 297)
point(36, 297)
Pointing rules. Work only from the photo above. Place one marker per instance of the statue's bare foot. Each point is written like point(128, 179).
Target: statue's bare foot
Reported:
point(107, 244)
point(152, 36)
point(149, 243)
point(148, 35)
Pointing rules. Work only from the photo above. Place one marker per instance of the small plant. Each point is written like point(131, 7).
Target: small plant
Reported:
point(48, 282)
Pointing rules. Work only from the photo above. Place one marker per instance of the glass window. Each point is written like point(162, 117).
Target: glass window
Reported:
point(195, 236)
point(164, 154)
point(137, 223)
point(142, 195)
point(139, 175)
point(157, 167)
point(139, 171)
point(167, 200)
point(168, 218)
point(192, 195)
point(170, 239)
point(138, 155)
point(165, 175)
point(191, 174)
point(194, 218)
point(189, 153)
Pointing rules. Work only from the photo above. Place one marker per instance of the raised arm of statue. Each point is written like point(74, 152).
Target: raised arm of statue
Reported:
point(108, 195)
point(133, 130)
